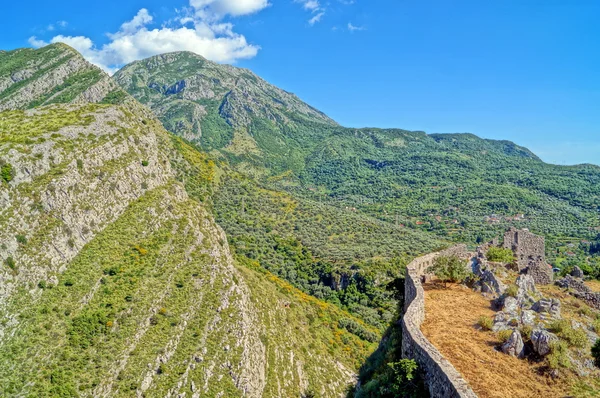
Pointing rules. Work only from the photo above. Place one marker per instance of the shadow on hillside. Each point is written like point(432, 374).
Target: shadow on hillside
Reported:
point(376, 377)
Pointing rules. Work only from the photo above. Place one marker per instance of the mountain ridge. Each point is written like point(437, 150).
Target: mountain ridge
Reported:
point(56, 73)
point(116, 280)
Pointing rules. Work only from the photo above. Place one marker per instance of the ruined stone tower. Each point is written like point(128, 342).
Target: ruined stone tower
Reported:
point(530, 253)
point(527, 247)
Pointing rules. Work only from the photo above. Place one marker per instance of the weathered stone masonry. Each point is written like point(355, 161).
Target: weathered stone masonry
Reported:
point(528, 248)
point(442, 379)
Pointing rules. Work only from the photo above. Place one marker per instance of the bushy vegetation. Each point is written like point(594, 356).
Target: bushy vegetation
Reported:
point(333, 254)
point(512, 290)
point(385, 373)
point(449, 269)
point(17, 127)
point(500, 255)
point(485, 322)
point(504, 335)
point(356, 328)
point(559, 355)
point(575, 337)
point(7, 172)
point(86, 328)
point(115, 97)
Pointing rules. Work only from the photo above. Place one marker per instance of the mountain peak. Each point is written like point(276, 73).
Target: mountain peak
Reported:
point(200, 93)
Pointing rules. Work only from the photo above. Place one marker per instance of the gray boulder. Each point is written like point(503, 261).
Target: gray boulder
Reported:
point(514, 345)
point(528, 317)
point(577, 272)
point(526, 286)
point(541, 340)
point(491, 284)
point(549, 306)
point(510, 306)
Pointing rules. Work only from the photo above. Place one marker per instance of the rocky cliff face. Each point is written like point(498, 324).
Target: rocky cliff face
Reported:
point(53, 74)
point(115, 282)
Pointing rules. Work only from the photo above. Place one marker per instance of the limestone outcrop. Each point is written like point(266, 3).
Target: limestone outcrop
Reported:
point(514, 345)
point(541, 340)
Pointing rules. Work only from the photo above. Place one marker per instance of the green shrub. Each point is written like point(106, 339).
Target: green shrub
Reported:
point(512, 290)
point(10, 262)
point(449, 269)
point(500, 255)
point(21, 239)
point(7, 173)
point(42, 284)
point(596, 325)
point(145, 163)
point(86, 328)
point(574, 337)
point(525, 331)
point(485, 322)
point(404, 373)
point(596, 353)
point(559, 355)
point(586, 311)
point(504, 335)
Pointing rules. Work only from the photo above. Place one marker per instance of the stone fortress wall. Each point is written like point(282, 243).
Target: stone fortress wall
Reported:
point(442, 379)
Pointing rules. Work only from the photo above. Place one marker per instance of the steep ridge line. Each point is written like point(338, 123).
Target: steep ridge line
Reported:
point(442, 379)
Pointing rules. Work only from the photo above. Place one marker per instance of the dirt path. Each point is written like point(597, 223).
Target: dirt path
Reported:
point(450, 324)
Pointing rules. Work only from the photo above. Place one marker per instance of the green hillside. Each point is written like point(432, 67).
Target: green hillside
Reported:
point(221, 107)
point(335, 210)
point(117, 281)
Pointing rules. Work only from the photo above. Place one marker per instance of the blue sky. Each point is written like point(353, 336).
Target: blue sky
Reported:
point(525, 71)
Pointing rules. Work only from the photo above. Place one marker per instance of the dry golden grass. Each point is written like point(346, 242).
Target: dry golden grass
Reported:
point(593, 284)
point(450, 324)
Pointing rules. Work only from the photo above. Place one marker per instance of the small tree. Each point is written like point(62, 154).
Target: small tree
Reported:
point(449, 269)
point(404, 381)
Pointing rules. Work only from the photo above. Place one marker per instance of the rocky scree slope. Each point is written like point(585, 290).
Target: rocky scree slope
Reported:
point(52, 74)
point(115, 282)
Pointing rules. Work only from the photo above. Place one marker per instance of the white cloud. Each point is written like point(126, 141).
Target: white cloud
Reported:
point(310, 4)
point(217, 9)
point(200, 30)
point(35, 42)
point(316, 18)
point(353, 28)
point(131, 27)
point(319, 10)
point(314, 7)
